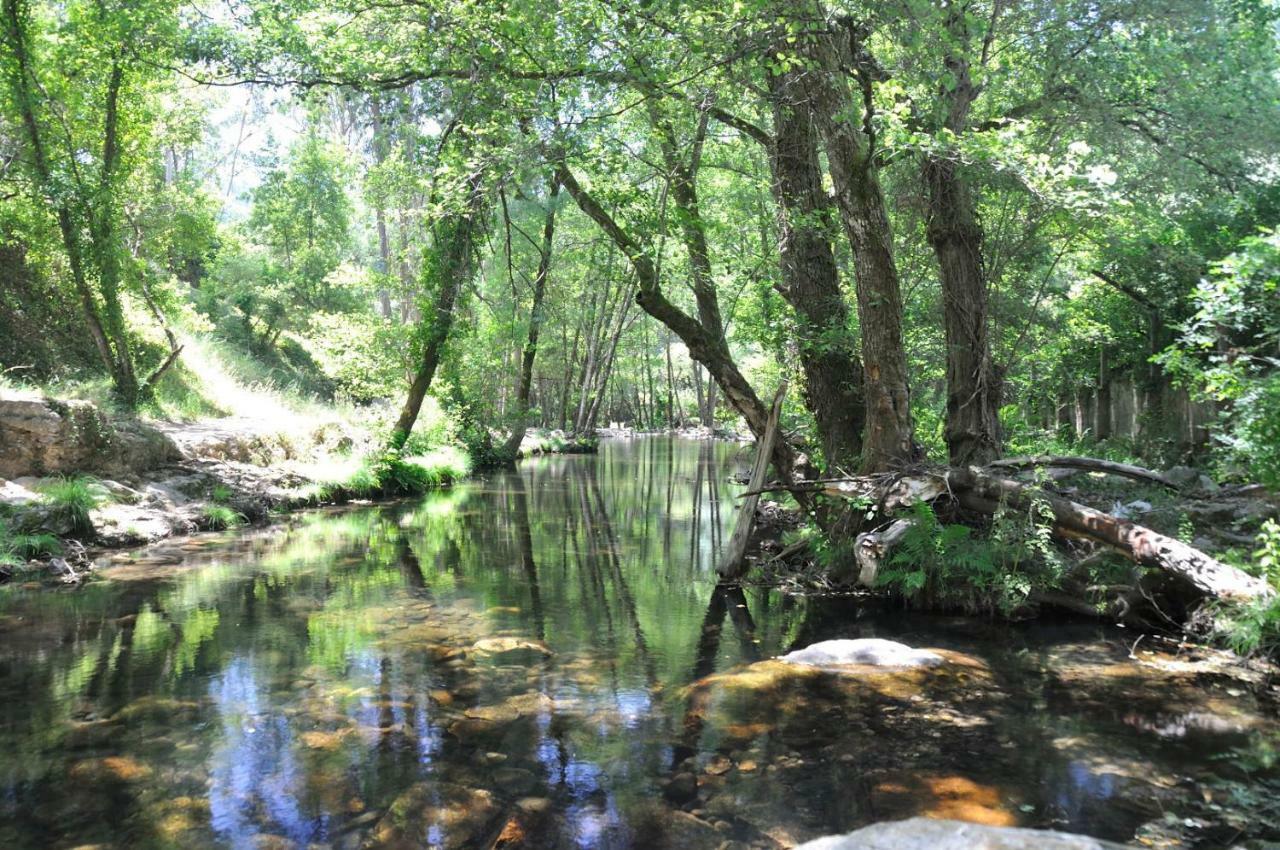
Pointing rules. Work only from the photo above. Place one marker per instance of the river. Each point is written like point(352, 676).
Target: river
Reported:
point(542, 659)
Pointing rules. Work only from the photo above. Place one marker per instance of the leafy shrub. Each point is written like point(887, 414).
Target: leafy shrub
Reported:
point(1253, 626)
point(17, 547)
point(1252, 434)
point(70, 500)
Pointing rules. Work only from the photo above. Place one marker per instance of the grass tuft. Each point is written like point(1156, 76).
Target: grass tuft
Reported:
point(16, 547)
point(70, 501)
point(220, 517)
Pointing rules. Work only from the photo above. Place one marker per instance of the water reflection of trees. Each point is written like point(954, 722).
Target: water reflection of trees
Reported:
point(331, 664)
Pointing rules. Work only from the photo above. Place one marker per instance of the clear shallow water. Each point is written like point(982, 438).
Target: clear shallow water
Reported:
point(541, 659)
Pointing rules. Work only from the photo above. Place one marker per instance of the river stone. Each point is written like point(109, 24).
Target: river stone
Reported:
point(931, 834)
point(504, 645)
point(454, 816)
point(866, 652)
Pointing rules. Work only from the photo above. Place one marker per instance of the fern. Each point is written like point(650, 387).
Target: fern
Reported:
point(943, 565)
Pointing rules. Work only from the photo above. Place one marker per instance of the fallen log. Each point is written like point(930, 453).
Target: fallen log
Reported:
point(1085, 464)
point(889, 491)
point(978, 490)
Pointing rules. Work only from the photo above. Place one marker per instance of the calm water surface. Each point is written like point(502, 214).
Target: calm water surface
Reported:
point(541, 659)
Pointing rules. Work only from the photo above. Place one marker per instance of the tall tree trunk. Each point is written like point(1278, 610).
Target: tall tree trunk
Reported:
point(535, 322)
point(833, 389)
point(448, 267)
point(972, 429)
point(1102, 411)
point(105, 323)
point(889, 439)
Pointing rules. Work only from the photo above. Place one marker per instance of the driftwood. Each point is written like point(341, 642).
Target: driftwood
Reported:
point(1085, 464)
point(872, 547)
point(735, 557)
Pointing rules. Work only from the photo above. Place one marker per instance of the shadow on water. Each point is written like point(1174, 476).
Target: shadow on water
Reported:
point(543, 659)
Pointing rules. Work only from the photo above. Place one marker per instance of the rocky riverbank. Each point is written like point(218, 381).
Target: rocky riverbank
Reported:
point(152, 480)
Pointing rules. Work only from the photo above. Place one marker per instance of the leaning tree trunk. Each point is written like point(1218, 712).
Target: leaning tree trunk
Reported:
point(448, 266)
point(705, 346)
point(535, 324)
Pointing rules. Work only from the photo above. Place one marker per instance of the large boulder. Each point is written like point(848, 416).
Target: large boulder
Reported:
point(862, 652)
point(930, 834)
point(47, 437)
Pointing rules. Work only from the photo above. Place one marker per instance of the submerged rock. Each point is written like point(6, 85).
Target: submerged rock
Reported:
point(866, 652)
point(930, 834)
point(504, 645)
point(453, 816)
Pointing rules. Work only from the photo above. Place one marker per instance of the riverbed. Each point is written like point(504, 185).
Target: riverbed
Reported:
point(543, 659)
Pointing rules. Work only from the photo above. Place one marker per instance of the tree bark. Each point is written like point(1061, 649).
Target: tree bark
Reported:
point(889, 440)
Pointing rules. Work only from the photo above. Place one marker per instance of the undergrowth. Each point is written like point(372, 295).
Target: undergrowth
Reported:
point(392, 474)
point(18, 547)
point(1252, 627)
point(946, 566)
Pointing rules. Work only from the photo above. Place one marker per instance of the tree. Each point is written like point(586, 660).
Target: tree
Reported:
point(82, 140)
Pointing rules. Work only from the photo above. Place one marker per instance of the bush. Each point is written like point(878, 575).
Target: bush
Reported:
point(1253, 626)
point(1252, 434)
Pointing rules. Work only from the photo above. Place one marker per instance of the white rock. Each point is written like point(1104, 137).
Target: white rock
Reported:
point(867, 652)
point(930, 834)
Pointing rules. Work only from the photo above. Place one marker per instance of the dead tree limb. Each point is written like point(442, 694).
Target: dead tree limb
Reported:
point(1085, 464)
point(735, 555)
point(872, 548)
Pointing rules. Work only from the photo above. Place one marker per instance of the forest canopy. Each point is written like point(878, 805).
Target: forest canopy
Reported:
point(960, 229)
